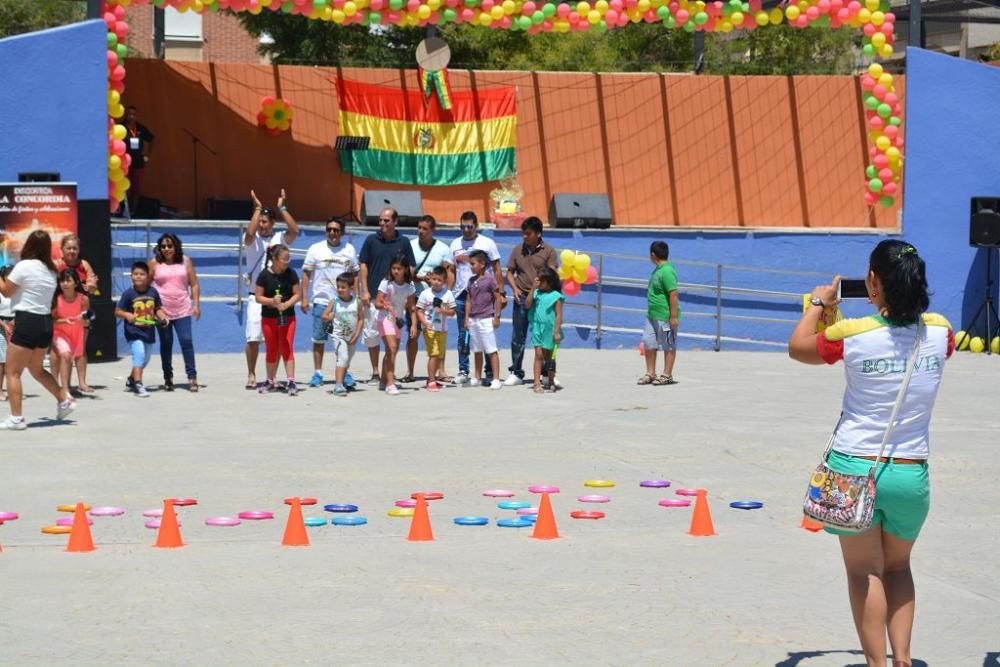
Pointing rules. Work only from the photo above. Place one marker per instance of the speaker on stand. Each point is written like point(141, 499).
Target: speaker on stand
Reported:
point(984, 232)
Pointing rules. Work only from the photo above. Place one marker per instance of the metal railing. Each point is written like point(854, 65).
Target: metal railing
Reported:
point(717, 288)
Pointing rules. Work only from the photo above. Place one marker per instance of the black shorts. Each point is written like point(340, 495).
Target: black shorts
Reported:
point(32, 330)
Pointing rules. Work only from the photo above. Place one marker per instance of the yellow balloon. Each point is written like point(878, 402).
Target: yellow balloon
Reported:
point(892, 153)
point(736, 18)
point(497, 12)
point(885, 80)
point(878, 18)
point(485, 19)
point(792, 12)
point(118, 111)
point(433, 4)
point(508, 7)
point(118, 132)
point(977, 344)
point(878, 40)
point(643, 6)
point(565, 272)
point(864, 16)
point(883, 143)
point(995, 345)
point(582, 8)
point(114, 162)
point(423, 11)
point(761, 18)
point(775, 16)
point(350, 9)
point(601, 6)
point(871, 5)
point(568, 257)
point(580, 275)
point(886, 51)
point(875, 70)
point(582, 261)
point(962, 340)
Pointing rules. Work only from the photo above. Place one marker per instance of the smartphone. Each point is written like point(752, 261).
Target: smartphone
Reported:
point(852, 288)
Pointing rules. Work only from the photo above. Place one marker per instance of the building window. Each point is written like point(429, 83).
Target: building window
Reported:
point(182, 26)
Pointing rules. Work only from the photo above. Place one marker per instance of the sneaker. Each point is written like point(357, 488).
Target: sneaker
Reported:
point(349, 381)
point(316, 380)
point(513, 381)
point(129, 383)
point(462, 378)
point(12, 424)
point(392, 390)
point(64, 409)
point(381, 386)
point(477, 382)
point(340, 390)
point(486, 382)
point(557, 383)
point(140, 390)
point(291, 388)
point(433, 386)
point(496, 384)
point(266, 387)
point(374, 379)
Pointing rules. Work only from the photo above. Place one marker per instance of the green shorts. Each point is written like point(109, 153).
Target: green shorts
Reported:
point(902, 497)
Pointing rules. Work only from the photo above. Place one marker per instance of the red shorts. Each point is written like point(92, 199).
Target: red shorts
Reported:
point(278, 340)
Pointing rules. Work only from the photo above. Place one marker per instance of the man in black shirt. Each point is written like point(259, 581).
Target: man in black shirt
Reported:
point(139, 146)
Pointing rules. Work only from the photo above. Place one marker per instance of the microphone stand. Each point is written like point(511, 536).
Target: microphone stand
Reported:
point(195, 142)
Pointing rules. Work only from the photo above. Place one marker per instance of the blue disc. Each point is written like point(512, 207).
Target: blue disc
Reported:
point(532, 518)
point(348, 521)
point(519, 522)
point(746, 504)
point(313, 521)
point(513, 505)
point(340, 508)
point(471, 520)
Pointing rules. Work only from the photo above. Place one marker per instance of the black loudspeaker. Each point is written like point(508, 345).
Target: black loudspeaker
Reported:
point(38, 177)
point(580, 210)
point(102, 343)
point(984, 222)
point(409, 206)
point(147, 208)
point(94, 230)
point(230, 209)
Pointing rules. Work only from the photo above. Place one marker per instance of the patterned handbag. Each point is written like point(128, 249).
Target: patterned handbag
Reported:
point(847, 502)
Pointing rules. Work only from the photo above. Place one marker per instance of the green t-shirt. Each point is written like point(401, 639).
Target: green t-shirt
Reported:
point(662, 281)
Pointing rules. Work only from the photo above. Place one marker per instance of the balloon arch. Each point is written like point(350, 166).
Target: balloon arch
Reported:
point(872, 17)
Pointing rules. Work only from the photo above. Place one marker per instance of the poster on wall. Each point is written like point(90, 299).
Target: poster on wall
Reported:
point(25, 207)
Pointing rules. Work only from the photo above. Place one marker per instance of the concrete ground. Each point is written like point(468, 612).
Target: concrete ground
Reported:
point(631, 589)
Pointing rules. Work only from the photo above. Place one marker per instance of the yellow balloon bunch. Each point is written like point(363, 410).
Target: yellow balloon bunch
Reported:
point(575, 270)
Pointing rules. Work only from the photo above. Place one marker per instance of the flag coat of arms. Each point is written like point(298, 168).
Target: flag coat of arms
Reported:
point(420, 143)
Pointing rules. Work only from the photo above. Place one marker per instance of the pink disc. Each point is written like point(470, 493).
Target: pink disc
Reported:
point(527, 511)
point(183, 502)
point(498, 493)
point(8, 516)
point(542, 488)
point(686, 492)
point(406, 503)
point(674, 502)
point(592, 498)
point(256, 515)
point(68, 521)
point(107, 511)
point(302, 501)
point(222, 521)
point(155, 523)
point(154, 513)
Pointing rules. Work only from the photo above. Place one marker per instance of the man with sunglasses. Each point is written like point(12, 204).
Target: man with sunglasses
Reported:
point(459, 272)
point(325, 261)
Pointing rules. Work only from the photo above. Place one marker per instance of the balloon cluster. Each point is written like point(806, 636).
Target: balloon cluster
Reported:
point(275, 115)
point(118, 158)
point(575, 271)
point(884, 113)
point(964, 341)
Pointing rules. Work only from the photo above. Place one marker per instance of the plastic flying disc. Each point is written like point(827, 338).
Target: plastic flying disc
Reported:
point(56, 530)
point(183, 502)
point(400, 512)
point(512, 504)
point(71, 508)
point(340, 507)
point(155, 523)
point(746, 504)
point(155, 513)
point(256, 515)
point(428, 495)
point(498, 493)
point(654, 483)
point(8, 516)
point(686, 492)
point(107, 511)
point(593, 499)
point(313, 521)
point(222, 521)
point(406, 503)
point(530, 517)
point(542, 488)
point(303, 501)
point(599, 483)
point(674, 502)
point(348, 521)
point(527, 511)
point(68, 521)
point(580, 514)
point(471, 520)
point(519, 522)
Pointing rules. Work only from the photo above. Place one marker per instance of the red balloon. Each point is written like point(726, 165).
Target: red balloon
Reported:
point(119, 12)
point(591, 275)
point(118, 73)
point(570, 287)
point(118, 147)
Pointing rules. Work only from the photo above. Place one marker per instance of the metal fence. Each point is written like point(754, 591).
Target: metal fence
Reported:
point(637, 282)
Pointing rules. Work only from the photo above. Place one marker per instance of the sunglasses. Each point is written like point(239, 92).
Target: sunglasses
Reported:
point(466, 226)
point(333, 230)
point(166, 245)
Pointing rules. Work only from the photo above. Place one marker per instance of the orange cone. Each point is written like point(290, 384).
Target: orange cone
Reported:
point(545, 526)
point(295, 529)
point(420, 524)
point(701, 519)
point(810, 524)
point(80, 540)
point(169, 536)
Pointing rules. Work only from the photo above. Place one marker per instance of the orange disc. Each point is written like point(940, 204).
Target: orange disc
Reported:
point(428, 495)
point(586, 515)
point(302, 501)
point(72, 508)
point(57, 530)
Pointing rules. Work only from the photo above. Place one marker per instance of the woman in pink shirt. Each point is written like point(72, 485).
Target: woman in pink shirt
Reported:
point(177, 282)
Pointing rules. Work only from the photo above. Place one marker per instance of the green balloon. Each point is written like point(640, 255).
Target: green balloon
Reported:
point(689, 26)
point(871, 102)
point(374, 17)
point(875, 185)
point(663, 12)
point(895, 120)
point(538, 17)
point(670, 22)
point(885, 200)
point(395, 5)
point(823, 21)
point(868, 50)
point(870, 171)
point(112, 40)
point(449, 15)
point(602, 26)
point(469, 3)
point(727, 10)
point(548, 10)
point(884, 110)
point(286, 7)
point(122, 51)
point(745, 7)
point(701, 18)
point(524, 22)
point(319, 4)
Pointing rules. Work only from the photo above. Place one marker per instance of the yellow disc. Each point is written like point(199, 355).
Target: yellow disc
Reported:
point(71, 508)
point(57, 530)
point(599, 483)
point(401, 511)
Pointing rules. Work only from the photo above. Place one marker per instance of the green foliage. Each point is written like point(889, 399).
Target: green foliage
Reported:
point(20, 16)
point(994, 53)
point(782, 50)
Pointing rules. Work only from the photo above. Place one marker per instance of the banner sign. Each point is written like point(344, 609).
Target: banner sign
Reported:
point(25, 207)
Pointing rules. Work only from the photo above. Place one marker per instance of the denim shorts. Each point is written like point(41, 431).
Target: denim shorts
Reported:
point(141, 352)
point(320, 328)
point(657, 335)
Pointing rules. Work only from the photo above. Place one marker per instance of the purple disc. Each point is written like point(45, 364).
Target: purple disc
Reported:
point(674, 502)
point(154, 513)
point(256, 515)
point(155, 523)
point(108, 511)
point(543, 488)
point(222, 521)
point(8, 516)
point(593, 498)
point(408, 502)
point(68, 521)
point(655, 483)
point(527, 511)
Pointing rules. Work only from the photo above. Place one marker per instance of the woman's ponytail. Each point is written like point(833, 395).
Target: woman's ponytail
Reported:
point(904, 280)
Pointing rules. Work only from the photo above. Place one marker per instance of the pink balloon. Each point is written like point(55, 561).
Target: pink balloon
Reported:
point(890, 17)
point(885, 175)
point(591, 275)
point(880, 161)
point(611, 16)
point(117, 86)
point(891, 99)
point(879, 90)
point(574, 18)
point(468, 14)
point(118, 73)
point(813, 13)
point(891, 131)
point(869, 29)
point(570, 287)
point(876, 122)
point(528, 8)
point(505, 22)
point(890, 189)
point(682, 16)
point(823, 6)
point(547, 25)
point(118, 147)
point(112, 59)
point(843, 15)
point(119, 12)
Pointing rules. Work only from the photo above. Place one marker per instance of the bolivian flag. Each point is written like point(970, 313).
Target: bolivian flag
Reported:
point(423, 144)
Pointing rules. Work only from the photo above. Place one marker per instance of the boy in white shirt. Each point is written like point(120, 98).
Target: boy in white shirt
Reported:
point(435, 305)
point(344, 316)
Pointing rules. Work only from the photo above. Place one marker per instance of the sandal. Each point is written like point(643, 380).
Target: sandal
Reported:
point(193, 385)
point(406, 378)
point(168, 385)
point(251, 384)
point(662, 380)
point(447, 379)
point(647, 379)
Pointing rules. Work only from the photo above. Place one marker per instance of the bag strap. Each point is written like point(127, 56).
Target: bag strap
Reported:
point(914, 357)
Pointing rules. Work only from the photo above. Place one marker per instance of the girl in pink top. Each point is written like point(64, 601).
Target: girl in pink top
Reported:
point(68, 308)
point(175, 279)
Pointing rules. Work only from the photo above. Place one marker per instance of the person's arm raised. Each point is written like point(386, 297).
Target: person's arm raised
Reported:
point(293, 227)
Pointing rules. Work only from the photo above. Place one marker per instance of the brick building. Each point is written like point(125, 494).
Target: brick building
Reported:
point(208, 37)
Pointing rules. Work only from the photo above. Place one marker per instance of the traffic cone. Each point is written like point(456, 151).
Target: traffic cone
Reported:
point(545, 526)
point(810, 525)
point(701, 519)
point(420, 524)
point(169, 535)
point(80, 540)
point(295, 529)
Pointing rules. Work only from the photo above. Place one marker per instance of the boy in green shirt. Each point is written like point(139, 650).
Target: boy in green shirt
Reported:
point(662, 315)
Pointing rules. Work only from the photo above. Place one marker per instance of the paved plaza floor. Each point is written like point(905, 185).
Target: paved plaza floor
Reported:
point(630, 589)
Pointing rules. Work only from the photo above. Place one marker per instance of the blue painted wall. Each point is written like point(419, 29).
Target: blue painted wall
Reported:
point(54, 106)
point(952, 154)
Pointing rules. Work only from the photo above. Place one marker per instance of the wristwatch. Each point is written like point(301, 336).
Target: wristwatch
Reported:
point(816, 301)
